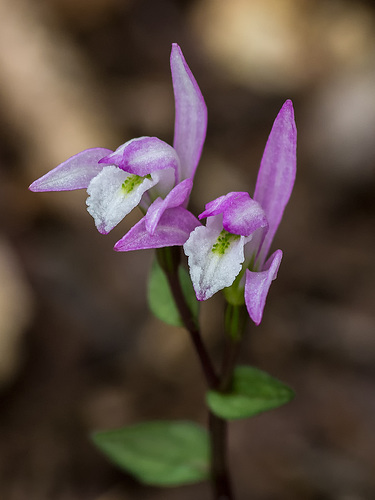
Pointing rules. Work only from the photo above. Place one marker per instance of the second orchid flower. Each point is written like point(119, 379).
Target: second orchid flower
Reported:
point(231, 250)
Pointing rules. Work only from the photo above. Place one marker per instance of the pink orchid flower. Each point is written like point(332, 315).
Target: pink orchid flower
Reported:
point(239, 231)
point(144, 171)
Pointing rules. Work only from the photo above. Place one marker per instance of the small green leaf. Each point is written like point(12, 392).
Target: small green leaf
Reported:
point(253, 391)
point(164, 453)
point(161, 300)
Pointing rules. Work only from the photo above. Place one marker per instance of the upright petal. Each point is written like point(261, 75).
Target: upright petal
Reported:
point(113, 194)
point(241, 214)
point(257, 285)
point(74, 173)
point(215, 257)
point(277, 172)
point(173, 229)
point(175, 198)
point(190, 115)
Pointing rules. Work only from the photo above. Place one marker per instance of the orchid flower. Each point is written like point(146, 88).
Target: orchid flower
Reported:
point(231, 250)
point(144, 171)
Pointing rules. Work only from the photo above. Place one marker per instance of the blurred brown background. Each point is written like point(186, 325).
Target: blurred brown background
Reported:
point(79, 350)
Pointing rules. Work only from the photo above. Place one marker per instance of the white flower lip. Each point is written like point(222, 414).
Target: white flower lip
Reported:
point(211, 271)
point(109, 202)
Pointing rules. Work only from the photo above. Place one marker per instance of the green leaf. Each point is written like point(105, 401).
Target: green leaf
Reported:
point(163, 453)
point(253, 391)
point(161, 300)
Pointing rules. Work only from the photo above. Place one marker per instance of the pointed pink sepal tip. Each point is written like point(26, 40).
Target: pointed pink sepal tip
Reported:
point(277, 172)
point(74, 173)
point(190, 115)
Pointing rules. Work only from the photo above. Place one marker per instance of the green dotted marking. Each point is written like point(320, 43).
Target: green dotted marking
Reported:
point(132, 182)
point(223, 242)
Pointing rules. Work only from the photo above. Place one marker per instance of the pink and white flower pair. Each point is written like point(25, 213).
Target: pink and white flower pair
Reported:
point(230, 251)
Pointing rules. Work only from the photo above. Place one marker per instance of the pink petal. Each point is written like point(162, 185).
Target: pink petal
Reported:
point(257, 286)
point(143, 155)
point(74, 173)
point(176, 197)
point(173, 229)
point(190, 115)
point(241, 214)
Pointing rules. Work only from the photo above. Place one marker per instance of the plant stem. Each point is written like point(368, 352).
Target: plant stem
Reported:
point(170, 262)
point(218, 428)
point(229, 360)
point(222, 488)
